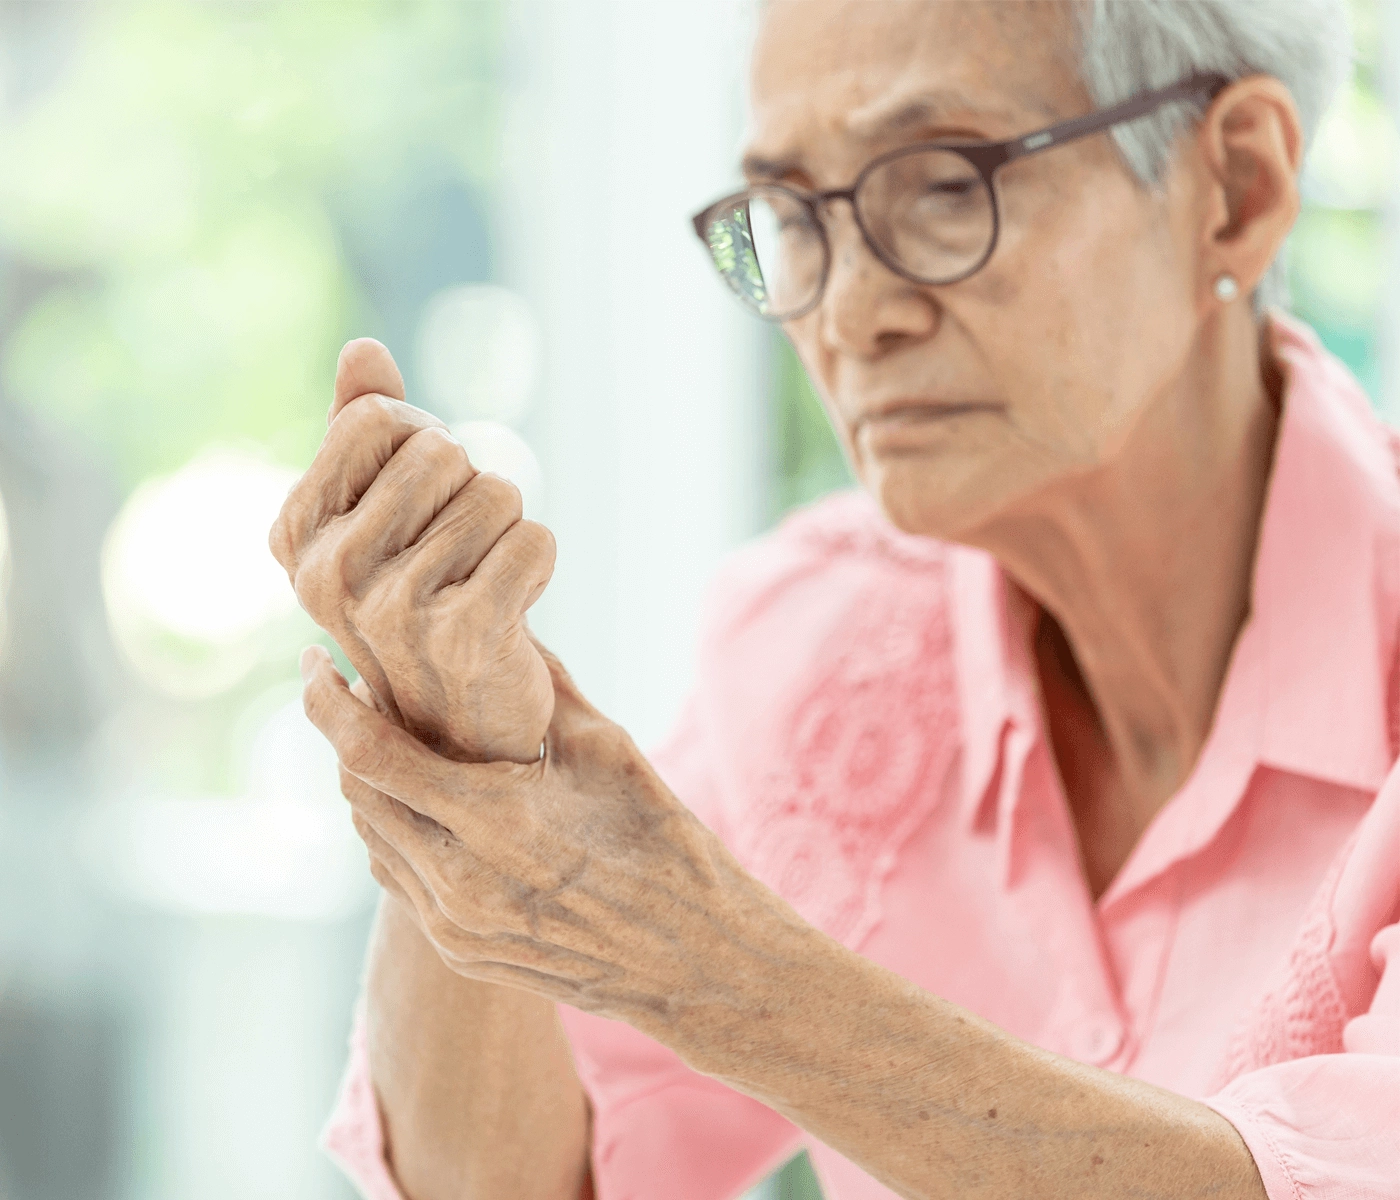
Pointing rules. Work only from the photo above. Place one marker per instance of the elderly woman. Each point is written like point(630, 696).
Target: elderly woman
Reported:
point(1026, 833)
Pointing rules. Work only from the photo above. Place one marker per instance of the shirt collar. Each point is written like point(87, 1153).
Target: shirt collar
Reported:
point(1327, 575)
point(995, 674)
point(1308, 686)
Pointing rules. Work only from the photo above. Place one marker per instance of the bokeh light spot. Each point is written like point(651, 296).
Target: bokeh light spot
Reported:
point(284, 848)
point(479, 348)
point(4, 571)
point(498, 448)
point(190, 587)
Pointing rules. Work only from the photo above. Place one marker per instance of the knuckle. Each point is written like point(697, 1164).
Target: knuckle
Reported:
point(279, 541)
point(322, 595)
point(373, 420)
point(378, 413)
point(436, 448)
point(320, 579)
point(387, 417)
point(360, 753)
point(498, 495)
point(338, 558)
point(311, 592)
point(538, 542)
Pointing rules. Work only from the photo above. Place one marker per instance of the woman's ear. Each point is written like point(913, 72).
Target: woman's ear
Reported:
point(1250, 144)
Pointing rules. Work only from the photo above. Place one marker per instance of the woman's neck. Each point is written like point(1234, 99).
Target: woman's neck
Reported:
point(1142, 571)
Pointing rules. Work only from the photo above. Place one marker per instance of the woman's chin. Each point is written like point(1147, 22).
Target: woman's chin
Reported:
point(916, 500)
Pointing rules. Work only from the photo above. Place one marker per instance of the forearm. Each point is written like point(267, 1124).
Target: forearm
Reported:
point(937, 1103)
point(475, 1081)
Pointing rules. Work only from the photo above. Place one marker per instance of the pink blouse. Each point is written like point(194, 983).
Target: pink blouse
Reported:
point(865, 735)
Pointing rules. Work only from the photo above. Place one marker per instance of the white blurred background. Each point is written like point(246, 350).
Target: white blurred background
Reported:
point(199, 202)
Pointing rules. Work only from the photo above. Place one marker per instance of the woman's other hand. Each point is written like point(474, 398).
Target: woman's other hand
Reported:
point(421, 568)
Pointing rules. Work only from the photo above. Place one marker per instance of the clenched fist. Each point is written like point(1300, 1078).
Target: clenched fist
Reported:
point(421, 568)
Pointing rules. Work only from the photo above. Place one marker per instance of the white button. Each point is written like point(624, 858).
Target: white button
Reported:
point(1097, 1042)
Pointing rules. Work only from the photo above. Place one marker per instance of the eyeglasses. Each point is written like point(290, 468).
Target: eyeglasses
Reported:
point(928, 212)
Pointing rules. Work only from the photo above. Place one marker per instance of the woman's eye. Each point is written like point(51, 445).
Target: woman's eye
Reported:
point(952, 187)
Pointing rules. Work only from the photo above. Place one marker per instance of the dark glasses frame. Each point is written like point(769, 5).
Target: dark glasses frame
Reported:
point(986, 158)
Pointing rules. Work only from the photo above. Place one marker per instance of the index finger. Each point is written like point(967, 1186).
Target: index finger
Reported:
point(386, 757)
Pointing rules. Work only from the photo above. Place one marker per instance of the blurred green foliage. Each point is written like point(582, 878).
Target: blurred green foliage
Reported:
point(1337, 254)
point(808, 460)
point(214, 196)
point(796, 1181)
point(206, 201)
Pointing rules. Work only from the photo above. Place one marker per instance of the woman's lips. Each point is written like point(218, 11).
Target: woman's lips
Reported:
point(913, 426)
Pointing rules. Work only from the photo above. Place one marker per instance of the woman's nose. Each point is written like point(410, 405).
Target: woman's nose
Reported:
point(868, 310)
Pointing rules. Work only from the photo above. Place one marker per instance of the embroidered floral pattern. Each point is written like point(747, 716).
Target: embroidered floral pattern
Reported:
point(1302, 1012)
point(866, 752)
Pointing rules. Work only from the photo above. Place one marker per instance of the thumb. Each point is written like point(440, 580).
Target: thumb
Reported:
point(365, 366)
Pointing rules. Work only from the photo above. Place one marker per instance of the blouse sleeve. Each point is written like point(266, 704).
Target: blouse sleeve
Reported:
point(1327, 1127)
point(1324, 1124)
point(354, 1134)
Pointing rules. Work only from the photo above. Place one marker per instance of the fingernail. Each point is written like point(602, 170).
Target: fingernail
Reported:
point(307, 662)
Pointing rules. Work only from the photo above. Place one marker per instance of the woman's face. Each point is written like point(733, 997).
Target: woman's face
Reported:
point(956, 402)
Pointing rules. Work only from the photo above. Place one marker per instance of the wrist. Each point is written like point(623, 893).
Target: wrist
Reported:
point(760, 980)
point(798, 1021)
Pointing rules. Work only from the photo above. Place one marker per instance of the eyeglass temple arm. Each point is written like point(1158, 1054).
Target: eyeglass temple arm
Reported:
point(1210, 85)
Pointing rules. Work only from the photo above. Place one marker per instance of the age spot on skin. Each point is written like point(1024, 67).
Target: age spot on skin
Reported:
point(991, 1114)
point(1097, 1160)
point(923, 1116)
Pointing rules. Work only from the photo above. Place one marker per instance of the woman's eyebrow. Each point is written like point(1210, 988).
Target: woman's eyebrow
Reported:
point(755, 166)
point(939, 106)
point(886, 118)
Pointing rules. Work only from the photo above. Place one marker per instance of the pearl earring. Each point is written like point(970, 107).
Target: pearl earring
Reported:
point(1226, 288)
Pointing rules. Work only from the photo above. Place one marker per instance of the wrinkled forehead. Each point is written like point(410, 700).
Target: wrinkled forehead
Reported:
point(842, 75)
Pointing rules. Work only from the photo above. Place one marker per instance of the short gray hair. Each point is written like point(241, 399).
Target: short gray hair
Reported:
point(1129, 46)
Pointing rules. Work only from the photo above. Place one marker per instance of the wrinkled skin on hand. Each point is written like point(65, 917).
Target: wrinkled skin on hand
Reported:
point(580, 877)
point(421, 568)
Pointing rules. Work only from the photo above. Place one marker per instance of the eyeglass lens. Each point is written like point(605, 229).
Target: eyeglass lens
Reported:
point(929, 212)
point(769, 251)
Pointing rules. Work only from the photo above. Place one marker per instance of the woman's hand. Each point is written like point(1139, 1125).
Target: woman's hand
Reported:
point(579, 877)
point(474, 1082)
point(421, 568)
